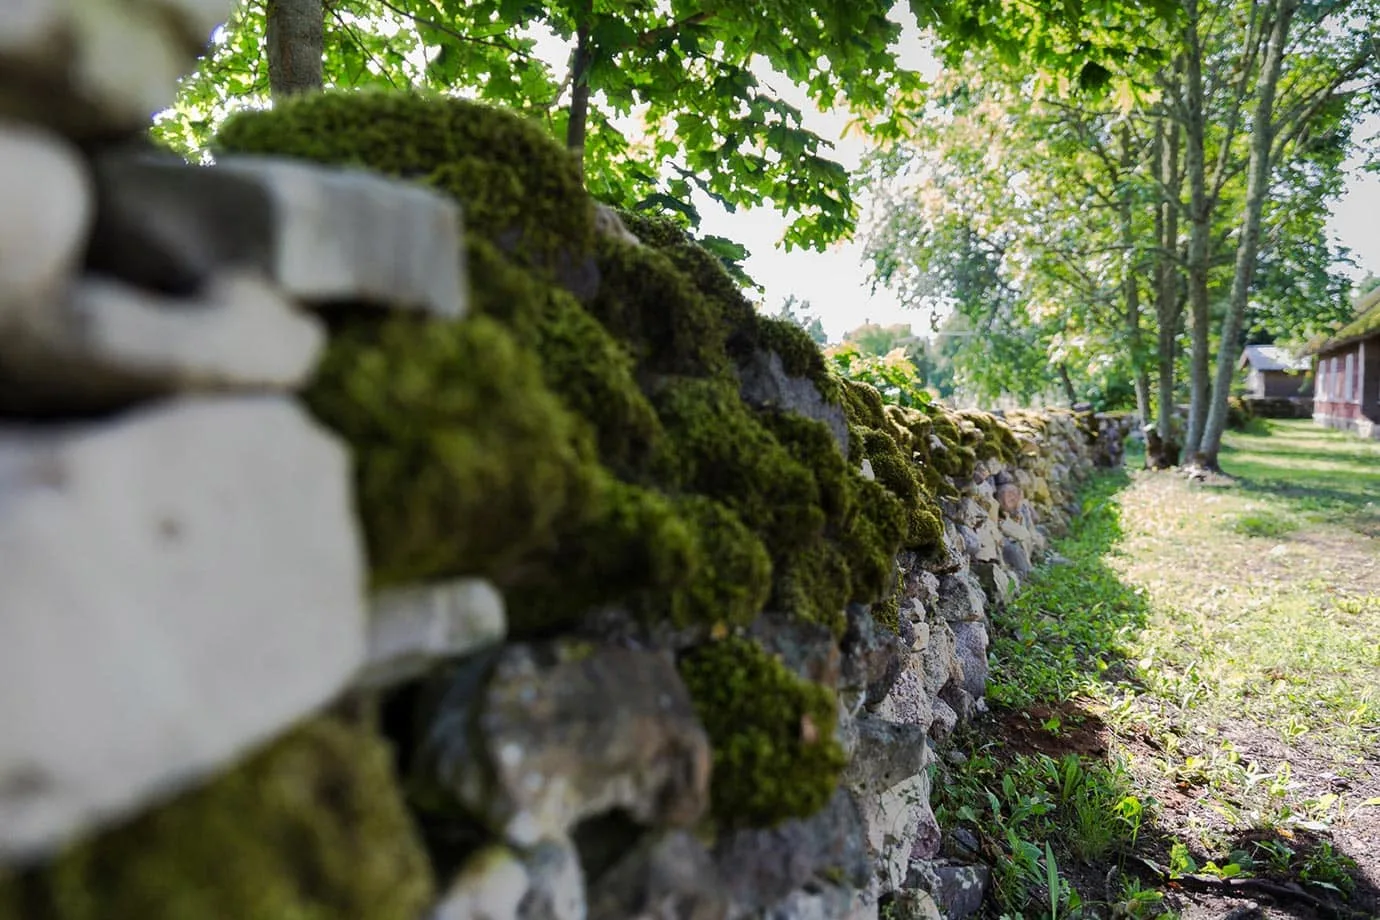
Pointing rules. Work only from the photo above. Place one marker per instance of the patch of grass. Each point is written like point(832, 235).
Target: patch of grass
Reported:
point(1264, 524)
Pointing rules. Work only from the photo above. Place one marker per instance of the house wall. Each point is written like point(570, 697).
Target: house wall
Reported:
point(1348, 387)
point(1275, 384)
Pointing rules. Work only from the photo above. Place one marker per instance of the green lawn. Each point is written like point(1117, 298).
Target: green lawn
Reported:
point(1198, 685)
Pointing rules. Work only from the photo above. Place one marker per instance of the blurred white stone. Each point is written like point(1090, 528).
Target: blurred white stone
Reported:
point(324, 235)
point(106, 345)
point(176, 586)
point(94, 68)
point(412, 628)
point(490, 887)
point(45, 212)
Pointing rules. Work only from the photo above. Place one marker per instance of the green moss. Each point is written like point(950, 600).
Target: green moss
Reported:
point(311, 829)
point(588, 368)
point(775, 756)
point(464, 461)
point(520, 189)
point(730, 576)
point(871, 539)
point(645, 301)
point(887, 612)
point(800, 356)
point(654, 230)
point(719, 449)
point(862, 405)
point(815, 584)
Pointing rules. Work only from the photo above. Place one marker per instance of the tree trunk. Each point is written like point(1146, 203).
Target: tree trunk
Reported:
point(295, 41)
point(1130, 283)
point(1248, 244)
point(1168, 306)
point(1199, 235)
point(1068, 384)
point(579, 96)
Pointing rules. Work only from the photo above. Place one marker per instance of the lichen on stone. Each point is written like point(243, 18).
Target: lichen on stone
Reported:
point(775, 755)
point(313, 828)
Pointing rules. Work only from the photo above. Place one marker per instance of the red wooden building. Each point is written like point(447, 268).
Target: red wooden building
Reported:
point(1347, 393)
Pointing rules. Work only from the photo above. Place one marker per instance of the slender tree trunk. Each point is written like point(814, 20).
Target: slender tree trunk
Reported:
point(1199, 235)
point(1064, 378)
point(295, 41)
point(1248, 244)
point(1130, 283)
point(579, 96)
point(1167, 303)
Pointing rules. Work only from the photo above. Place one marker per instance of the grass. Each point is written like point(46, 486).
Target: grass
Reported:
point(1197, 685)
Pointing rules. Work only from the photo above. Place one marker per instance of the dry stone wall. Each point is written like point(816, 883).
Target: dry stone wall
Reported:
point(430, 542)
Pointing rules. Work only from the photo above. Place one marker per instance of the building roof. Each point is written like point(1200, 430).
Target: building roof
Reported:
point(1272, 358)
point(1365, 325)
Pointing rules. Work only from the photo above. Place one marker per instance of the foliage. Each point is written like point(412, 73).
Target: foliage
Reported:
point(893, 375)
point(798, 312)
point(682, 99)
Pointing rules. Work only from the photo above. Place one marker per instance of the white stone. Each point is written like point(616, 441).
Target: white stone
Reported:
point(325, 235)
point(106, 344)
point(179, 585)
point(45, 213)
point(491, 886)
point(893, 818)
point(93, 67)
point(867, 472)
point(411, 628)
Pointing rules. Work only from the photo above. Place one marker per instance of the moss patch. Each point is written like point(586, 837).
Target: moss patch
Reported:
point(775, 756)
point(519, 188)
point(311, 829)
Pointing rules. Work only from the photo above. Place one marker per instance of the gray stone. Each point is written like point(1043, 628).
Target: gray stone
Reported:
point(97, 68)
point(491, 886)
point(887, 753)
point(872, 654)
point(764, 383)
point(970, 647)
point(907, 703)
point(556, 884)
point(950, 557)
point(410, 629)
point(945, 720)
point(808, 649)
point(106, 345)
point(607, 223)
point(548, 735)
point(941, 660)
point(1009, 497)
point(957, 889)
point(995, 581)
point(894, 819)
point(324, 235)
point(759, 867)
point(45, 213)
point(823, 902)
point(668, 877)
point(914, 905)
point(1015, 558)
point(960, 598)
point(180, 584)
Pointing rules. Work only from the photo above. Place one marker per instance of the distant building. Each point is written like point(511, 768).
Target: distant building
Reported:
point(1274, 373)
point(1348, 375)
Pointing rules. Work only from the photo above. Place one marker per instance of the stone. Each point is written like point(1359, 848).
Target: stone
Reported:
point(823, 902)
point(180, 584)
point(970, 648)
point(1009, 497)
point(1015, 558)
point(907, 703)
point(96, 69)
point(894, 818)
point(950, 557)
point(324, 235)
point(867, 472)
point(914, 905)
point(989, 542)
point(764, 383)
point(556, 883)
point(957, 889)
point(887, 753)
point(106, 345)
point(941, 660)
point(669, 877)
point(945, 720)
point(410, 629)
point(872, 654)
point(960, 598)
point(995, 581)
point(808, 649)
point(761, 866)
point(608, 224)
point(491, 886)
point(46, 203)
point(537, 737)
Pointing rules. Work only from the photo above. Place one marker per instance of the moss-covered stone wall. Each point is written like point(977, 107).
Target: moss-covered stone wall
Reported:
point(735, 586)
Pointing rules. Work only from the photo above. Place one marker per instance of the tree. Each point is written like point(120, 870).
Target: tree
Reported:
point(1335, 42)
point(294, 39)
point(666, 100)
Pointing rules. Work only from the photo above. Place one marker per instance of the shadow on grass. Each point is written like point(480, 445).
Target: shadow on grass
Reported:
point(1038, 770)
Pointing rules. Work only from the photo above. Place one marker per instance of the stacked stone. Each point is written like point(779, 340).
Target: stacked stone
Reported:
point(181, 573)
point(996, 529)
